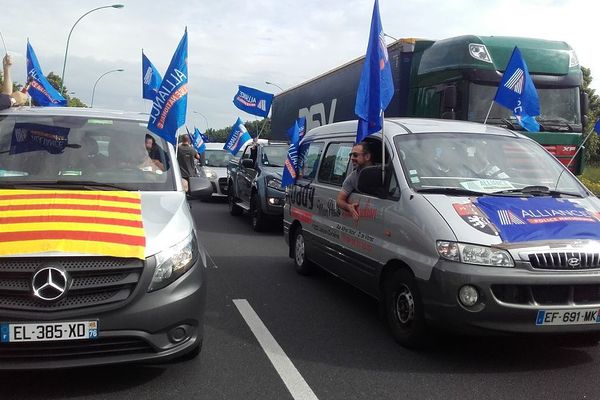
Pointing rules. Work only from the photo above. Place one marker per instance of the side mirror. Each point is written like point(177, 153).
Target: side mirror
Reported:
point(247, 163)
point(200, 186)
point(370, 181)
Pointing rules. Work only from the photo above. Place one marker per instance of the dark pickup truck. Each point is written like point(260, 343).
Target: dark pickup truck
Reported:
point(254, 183)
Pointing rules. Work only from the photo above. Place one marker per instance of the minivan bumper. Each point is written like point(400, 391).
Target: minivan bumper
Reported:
point(510, 298)
point(148, 329)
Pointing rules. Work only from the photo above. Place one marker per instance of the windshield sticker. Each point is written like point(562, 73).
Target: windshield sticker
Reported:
point(4, 172)
point(472, 216)
point(415, 179)
point(87, 222)
point(28, 137)
point(487, 185)
point(413, 172)
point(108, 122)
point(539, 218)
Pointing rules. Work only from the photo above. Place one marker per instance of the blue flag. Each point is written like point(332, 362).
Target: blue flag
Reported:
point(301, 122)
point(41, 91)
point(204, 137)
point(151, 79)
point(28, 137)
point(237, 137)
point(253, 101)
point(198, 141)
point(517, 92)
point(170, 103)
point(597, 127)
point(376, 87)
point(290, 168)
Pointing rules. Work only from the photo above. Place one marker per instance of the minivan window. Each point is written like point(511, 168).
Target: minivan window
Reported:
point(334, 166)
point(67, 150)
point(482, 163)
point(309, 155)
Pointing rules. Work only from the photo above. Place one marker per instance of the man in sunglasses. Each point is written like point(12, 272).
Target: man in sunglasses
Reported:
point(361, 157)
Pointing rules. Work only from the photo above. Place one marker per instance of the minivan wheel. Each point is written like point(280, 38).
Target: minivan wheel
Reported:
point(234, 209)
point(303, 266)
point(404, 310)
point(259, 219)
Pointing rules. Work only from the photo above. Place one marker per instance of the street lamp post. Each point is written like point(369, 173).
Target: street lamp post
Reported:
point(62, 76)
point(274, 84)
point(98, 80)
point(203, 116)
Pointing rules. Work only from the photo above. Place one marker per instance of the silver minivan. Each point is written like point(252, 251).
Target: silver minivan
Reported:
point(100, 261)
point(462, 225)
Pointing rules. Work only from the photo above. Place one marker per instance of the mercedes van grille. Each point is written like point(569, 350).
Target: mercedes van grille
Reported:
point(565, 260)
point(94, 281)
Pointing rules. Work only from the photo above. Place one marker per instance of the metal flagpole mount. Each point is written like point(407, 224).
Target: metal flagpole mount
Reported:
point(488, 113)
point(580, 147)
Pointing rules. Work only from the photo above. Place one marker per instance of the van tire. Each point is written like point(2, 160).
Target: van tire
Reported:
point(259, 219)
point(302, 264)
point(404, 309)
point(234, 209)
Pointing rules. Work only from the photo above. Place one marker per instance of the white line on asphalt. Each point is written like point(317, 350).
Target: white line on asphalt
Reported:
point(292, 379)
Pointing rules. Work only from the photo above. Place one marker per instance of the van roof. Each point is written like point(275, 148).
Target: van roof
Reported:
point(399, 126)
point(77, 112)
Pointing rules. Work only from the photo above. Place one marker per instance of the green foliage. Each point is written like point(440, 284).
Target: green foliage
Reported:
point(253, 127)
point(592, 146)
point(56, 82)
point(591, 179)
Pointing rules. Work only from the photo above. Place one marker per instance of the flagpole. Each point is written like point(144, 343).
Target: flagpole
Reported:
point(382, 147)
point(580, 147)
point(261, 129)
point(3, 43)
point(488, 113)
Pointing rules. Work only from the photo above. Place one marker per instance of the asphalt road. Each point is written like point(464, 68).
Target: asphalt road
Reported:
point(333, 344)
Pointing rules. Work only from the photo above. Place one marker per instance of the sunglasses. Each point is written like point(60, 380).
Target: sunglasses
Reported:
point(355, 154)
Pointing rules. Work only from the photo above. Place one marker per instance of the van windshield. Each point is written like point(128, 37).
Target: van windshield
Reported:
point(217, 158)
point(57, 151)
point(481, 163)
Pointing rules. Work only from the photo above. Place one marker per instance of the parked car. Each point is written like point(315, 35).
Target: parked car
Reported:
point(469, 227)
point(215, 160)
point(100, 260)
point(254, 183)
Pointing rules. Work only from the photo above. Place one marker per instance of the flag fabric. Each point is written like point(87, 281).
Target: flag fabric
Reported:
point(88, 222)
point(517, 92)
point(170, 103)
point(204, 137)
point(198, 141)
point(41, 91)
point(253, 101)
point(301, 122)
point(151, 79)
point(28, 137)
point(290, 168)
point(376, 87)
point(237, 137)
point(597, 127)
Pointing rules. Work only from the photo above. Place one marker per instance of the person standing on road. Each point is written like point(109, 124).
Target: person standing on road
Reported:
point(186, 156)
point(9, 98)
point(361, 157)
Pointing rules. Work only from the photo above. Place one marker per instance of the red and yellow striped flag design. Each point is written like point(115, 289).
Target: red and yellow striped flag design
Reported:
point(95, 222)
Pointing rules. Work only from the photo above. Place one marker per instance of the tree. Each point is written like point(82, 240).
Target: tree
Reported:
point(55, 81)
point(253, 127)
point(592, 151)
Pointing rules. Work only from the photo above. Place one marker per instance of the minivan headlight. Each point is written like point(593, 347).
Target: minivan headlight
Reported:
point(174, 262)
point(210, 174)
point(474, 254)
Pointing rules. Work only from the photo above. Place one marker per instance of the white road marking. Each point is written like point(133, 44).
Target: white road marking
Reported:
point(292, 379)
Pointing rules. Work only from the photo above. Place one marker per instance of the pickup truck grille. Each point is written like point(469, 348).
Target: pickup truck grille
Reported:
point(94, 281)
point(565, 260)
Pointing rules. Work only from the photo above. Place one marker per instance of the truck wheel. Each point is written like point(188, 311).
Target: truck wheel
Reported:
point(404, 309)
point(234, 209)
point(259, 219)
point(303, 266)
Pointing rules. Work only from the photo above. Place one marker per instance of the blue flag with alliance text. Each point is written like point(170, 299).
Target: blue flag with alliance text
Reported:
point(301, 122)
point(151, 79)
point(170, 103)
point(290, 168)
point(376, 87)
point(517, 92)
point(41, 91)
point(237, 137)
point(204, 137)
point(253, 101)
point(198, 141)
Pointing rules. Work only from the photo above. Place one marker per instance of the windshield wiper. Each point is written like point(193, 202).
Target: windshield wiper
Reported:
point(537, 191)
point(84, 185)
point(452, 191)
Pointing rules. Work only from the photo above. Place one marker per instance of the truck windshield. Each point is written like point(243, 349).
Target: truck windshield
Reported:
point(560, 108)
point(75, 151)
point(481, 163)
point(274, 156)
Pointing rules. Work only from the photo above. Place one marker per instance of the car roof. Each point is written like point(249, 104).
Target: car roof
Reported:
point(400, 126)
point(214, 146)
point(76, 112)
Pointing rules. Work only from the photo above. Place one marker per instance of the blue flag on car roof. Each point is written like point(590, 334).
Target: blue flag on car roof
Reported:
point(290, 168)
point(204, 137)
point(301, 122)
point(253, 101)
point(170, 103)
point(41, 91)
point(517, 92)
point(376, 87)
point(237, 137)
point(198, 141)
point(151, 79)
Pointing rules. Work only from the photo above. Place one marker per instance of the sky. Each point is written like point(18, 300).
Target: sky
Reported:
point(240, 42)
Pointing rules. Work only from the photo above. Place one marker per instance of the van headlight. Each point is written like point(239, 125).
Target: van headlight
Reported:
point(174, 262)
point(210, 174)
point(474, 254)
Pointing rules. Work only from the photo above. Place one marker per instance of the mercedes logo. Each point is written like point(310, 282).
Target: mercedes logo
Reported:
point(573, 262)
point(49, 283)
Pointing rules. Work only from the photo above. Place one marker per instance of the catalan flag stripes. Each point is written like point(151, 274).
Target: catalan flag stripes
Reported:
point(92, 222)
